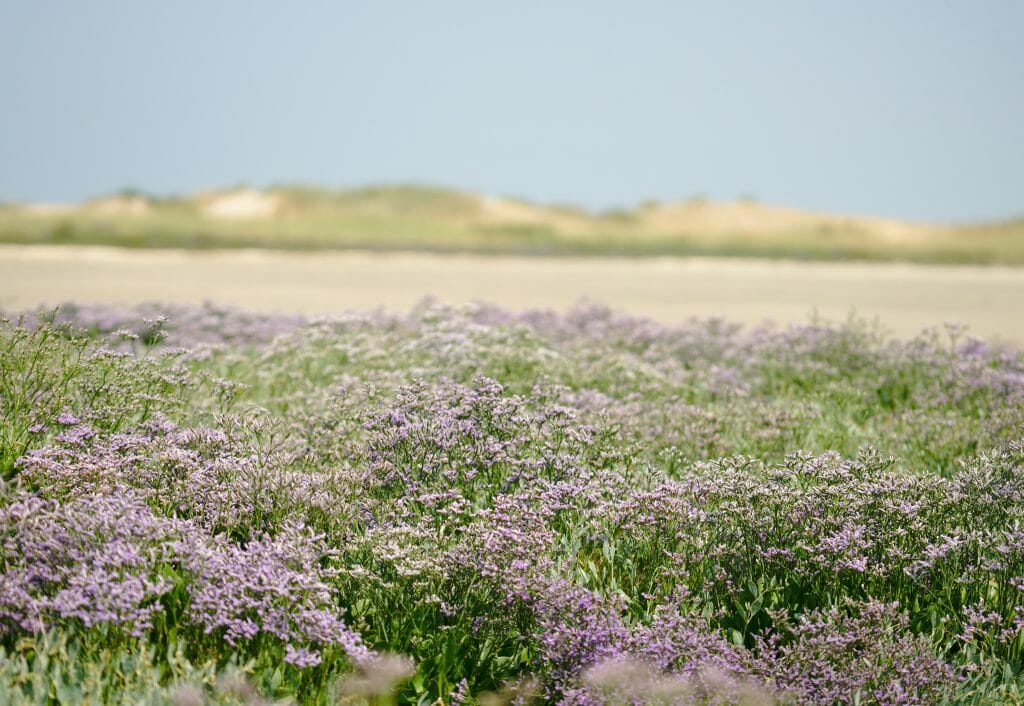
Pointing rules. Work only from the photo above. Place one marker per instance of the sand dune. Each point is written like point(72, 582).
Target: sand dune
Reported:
point(752, 218)
point(693, 216)
point(241, 204)
point(422, 218)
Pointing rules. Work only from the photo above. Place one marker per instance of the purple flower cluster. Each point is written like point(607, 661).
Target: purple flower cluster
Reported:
point(215, 476)
point(273, 585)
point(106, 558)
point(91, 559)
point(170, 324)
point(833, 656)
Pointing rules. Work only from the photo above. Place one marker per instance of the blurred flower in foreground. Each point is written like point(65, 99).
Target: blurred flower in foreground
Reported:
point(376, 677)
point(526, 690)
point(629, 681)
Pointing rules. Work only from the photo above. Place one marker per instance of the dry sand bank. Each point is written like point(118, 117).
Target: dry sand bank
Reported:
point(905, 298)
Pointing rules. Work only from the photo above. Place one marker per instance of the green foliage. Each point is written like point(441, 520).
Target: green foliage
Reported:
point(461, 467)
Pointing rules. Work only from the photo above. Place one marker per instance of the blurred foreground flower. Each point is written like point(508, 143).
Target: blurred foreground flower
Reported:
point(630, 681)
point(376, 678)
point(526, 690)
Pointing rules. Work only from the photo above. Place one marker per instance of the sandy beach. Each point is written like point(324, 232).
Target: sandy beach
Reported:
point(904, 298)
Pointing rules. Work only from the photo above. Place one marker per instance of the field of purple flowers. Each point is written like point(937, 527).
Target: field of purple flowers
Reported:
point(200, 505)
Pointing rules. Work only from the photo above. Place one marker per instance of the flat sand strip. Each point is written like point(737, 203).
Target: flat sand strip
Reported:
point(905, 298)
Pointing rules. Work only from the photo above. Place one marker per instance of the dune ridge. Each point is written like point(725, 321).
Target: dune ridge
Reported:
point(415, 217)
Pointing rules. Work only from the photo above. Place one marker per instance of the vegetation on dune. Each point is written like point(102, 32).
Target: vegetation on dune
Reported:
point(200, 505)
point(433, 219)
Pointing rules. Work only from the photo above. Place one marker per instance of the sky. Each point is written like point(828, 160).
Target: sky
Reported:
point(911, 109)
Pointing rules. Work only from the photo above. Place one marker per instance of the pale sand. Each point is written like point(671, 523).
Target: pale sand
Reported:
point(241, 204)
point(905, 298)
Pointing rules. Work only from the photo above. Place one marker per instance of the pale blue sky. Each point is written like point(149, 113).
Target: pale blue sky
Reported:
point(903, 108)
